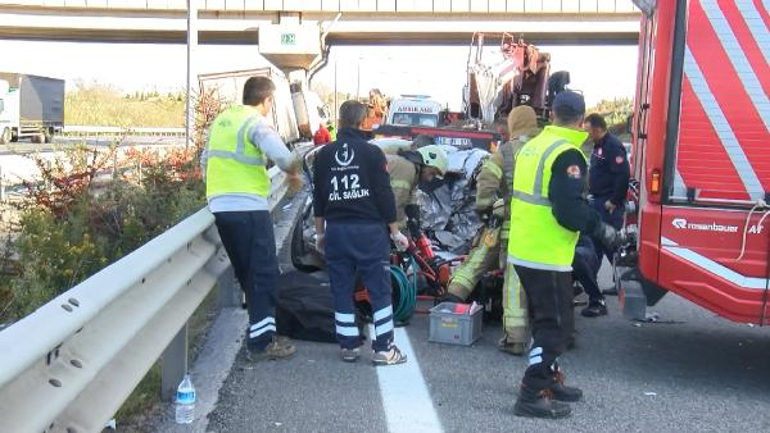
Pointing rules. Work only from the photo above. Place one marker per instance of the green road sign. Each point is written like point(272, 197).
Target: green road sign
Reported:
point(288, 39)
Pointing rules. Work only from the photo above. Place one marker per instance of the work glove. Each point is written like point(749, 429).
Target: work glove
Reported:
point(608, 236)
point(400, 241)
point(320, 243)
point(610, 207)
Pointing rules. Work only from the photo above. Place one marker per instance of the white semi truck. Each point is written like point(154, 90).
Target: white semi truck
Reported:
point(30, 107)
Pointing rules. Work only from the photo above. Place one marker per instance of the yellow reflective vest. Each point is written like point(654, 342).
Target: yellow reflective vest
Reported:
point(235, 165)
point(536, 239)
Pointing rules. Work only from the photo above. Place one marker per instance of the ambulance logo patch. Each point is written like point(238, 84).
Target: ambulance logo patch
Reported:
point(344, 156)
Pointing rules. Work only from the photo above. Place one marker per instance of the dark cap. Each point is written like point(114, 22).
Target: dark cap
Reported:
point(569, 105)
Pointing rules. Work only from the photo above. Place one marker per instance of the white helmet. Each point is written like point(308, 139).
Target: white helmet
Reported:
point(434, 156)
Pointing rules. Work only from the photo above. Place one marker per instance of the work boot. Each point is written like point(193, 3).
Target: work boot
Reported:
point(280, 348)
point(562, 392)
point(350, 355)
point(539, 404)
point(449, 297)
point(388, 357)
point(594, 309)
point(512, 347)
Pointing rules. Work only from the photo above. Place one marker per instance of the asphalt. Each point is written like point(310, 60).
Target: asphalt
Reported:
point(690, 371)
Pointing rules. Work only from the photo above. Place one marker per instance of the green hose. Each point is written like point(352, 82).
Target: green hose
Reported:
point(404, 292)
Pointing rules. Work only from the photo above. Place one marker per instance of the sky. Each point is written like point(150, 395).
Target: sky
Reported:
point(601, 72)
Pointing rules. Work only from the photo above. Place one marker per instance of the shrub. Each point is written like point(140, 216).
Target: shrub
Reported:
point(92, 207)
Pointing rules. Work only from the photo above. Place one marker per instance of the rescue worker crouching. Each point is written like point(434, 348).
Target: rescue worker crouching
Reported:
point(548, 213)
point(407, 170)
point(489, 252)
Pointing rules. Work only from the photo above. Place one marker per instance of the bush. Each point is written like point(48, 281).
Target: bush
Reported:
point(91, 208)
point(73, 225)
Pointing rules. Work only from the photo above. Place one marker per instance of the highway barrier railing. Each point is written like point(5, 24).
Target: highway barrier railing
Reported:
point(119, 131)
point(70, 365)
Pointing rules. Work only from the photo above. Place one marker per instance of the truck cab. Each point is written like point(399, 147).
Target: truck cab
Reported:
point(700, 152)
point(414, 110)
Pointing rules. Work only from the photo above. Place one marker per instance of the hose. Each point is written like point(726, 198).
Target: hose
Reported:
point(405, 291)
point(760, 205)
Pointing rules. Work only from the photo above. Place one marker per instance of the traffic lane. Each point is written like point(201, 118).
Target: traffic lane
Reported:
point(312, 392)
point(699, 374)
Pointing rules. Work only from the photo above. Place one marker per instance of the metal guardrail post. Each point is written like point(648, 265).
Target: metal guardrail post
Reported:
point(173, 365)
point(230, 294)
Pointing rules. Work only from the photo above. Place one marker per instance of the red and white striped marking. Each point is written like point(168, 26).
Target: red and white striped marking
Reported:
point(724, 144)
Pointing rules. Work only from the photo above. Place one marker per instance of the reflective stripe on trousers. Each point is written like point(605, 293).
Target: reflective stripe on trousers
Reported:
point(515, 314)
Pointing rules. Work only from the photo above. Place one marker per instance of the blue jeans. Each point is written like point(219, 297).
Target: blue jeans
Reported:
point(250, 243)
point(360, 250)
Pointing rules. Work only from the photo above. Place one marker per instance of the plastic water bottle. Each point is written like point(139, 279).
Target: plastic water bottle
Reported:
point(185, 401)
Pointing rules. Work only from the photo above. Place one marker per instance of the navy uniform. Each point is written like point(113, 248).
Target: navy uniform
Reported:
point(352, 194)
point(609, 174)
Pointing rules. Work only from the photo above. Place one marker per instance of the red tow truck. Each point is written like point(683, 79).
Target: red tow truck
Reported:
point(701, 152)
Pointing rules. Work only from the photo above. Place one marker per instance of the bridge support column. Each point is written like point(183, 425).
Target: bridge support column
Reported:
point(173, 365)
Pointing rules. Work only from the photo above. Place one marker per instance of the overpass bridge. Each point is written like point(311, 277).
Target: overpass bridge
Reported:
point(361, 21)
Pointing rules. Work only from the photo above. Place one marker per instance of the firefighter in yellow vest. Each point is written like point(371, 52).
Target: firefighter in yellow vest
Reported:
point(241, 140)
point(548, 212)
point(489, 252)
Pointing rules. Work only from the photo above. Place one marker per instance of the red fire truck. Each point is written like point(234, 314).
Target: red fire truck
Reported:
point(701, 152)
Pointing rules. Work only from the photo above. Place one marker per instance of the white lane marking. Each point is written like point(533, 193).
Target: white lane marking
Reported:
point(405, 396)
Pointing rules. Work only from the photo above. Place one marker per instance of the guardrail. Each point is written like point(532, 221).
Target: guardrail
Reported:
point(119, 131)
point(70, 365)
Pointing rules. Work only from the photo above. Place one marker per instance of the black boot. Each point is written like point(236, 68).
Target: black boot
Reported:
point(562, 392)
point(539, 404)
point(595, 309)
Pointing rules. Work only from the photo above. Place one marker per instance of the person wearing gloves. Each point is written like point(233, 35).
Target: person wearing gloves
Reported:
point(408, 169)
point(548, 213)
point(496, 180)
point(354, 209)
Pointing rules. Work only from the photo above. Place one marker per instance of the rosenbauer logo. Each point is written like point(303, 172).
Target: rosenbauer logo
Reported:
point(682, 224)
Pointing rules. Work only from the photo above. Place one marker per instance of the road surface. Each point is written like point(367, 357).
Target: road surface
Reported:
point(689, 372)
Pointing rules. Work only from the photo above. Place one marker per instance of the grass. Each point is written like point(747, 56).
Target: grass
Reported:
point(139, 409)
point(97, 105)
